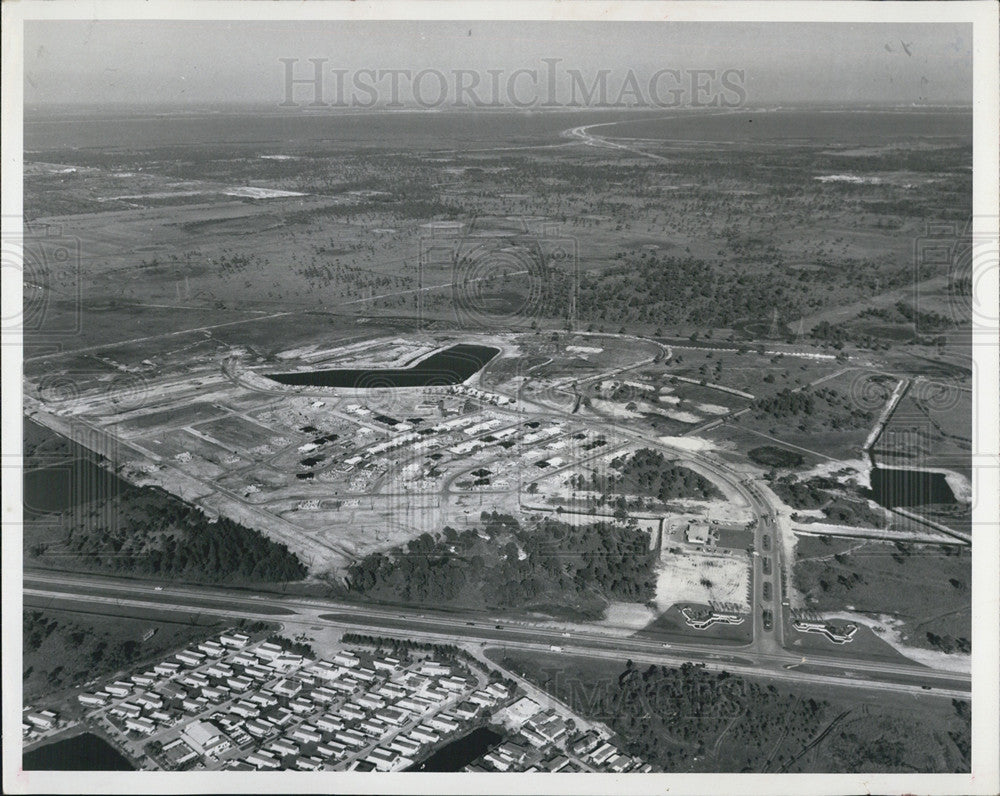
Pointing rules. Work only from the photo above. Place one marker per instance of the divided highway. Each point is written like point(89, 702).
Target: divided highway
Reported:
point(97, 594)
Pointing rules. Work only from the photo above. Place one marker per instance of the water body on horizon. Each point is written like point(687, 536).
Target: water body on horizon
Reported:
point(443, 368)
point(855, 127)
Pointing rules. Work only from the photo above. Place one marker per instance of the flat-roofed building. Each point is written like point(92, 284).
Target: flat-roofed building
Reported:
point(263, 698)
point(287, 661)
point(403, 746)
point(347, 659)
point(344, 686)
point(482, 698)
point(195, 680)
point(190, 657)
point(306, 734)
point(280, 716)
point(219, 669)
point(268, 650)
point(499, 690)
point(149, 701)
point(323, 695)
point(425, 734)
point(140, 724)
point(392, 715)
point(434, 668)
point(370, 701)
point(239, 683)
point(128, 709)
point(262, 759)
point(697, 533)
point(351, 738)
point(603, 753)
point(443, 723)
point(453, 683)
point(244, 708)
point(373, 727)
point(204, 737)
point(331, 749)
point(259, 728)
point(301, 706)
point(329, 723)
point(352, 711)
point(212, 648)
point(284, 746)
point(391, 690)
point(178, 753)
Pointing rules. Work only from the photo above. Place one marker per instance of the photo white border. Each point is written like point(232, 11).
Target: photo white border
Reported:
point(985, 776)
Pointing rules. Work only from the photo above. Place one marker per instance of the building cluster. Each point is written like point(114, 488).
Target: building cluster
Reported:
point(36, 723)
point(542, 740)
point(232, 704)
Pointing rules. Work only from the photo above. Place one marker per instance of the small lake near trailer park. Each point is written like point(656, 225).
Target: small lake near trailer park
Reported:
point(451, 366)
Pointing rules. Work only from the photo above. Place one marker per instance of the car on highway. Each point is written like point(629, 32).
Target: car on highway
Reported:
point(157, 588)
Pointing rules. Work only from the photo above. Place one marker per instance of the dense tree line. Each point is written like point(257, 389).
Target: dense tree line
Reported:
point(786, 403)
point(550, 566)
point(686, 718)
point(825, 405)
point(771, 456)
point(809, 494)
point(853, 512)
point(648, 473)
point(147, 531)
point(297, 647)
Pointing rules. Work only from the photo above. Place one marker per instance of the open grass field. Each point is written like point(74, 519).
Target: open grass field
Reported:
point(64, 648)
point(923, 587)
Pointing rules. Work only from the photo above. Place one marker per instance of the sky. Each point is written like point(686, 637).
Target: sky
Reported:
point(167, 62)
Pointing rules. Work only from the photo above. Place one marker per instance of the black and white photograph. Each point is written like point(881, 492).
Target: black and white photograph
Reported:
point(548, 398)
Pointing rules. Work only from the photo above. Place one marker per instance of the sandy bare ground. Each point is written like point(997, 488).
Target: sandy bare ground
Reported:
point(887, 628)
point(702, 578)
point(634, 616)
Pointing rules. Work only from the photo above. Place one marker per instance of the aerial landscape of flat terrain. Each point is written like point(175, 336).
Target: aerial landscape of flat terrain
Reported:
point(489, 441)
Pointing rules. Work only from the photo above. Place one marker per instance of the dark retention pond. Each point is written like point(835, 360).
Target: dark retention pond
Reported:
point(84, 752)
point(451, 366)
point(460, 752)
point(67, 480)
point(892, 488)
